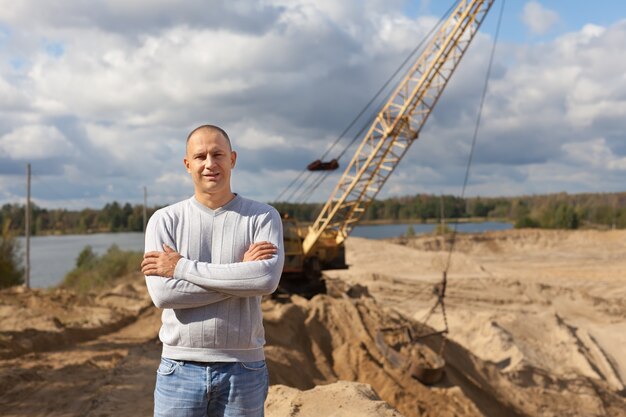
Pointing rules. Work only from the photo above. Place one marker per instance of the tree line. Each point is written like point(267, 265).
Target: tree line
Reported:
point(562, 210)
point(551, 211)
point(113, 217)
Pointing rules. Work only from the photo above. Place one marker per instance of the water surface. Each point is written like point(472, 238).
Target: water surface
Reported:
point(52, 257)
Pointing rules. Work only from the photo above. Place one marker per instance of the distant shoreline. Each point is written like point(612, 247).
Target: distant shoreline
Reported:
point(379, 222)
point(432, 221)
point(79, 233)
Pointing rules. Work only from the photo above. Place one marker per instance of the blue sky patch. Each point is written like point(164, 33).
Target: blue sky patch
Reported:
point(54, 49)
point(18, 63)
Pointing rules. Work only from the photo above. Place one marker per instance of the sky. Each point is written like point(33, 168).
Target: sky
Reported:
point(99, 96)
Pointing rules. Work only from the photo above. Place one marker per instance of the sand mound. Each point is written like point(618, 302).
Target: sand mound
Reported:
point(518, 240)
point(341, 399)
point(532, 253)
point(67, 355)
point(39, 320)
point(326, 339)
point(552, 299)
point(400, 260)
point(537, 305)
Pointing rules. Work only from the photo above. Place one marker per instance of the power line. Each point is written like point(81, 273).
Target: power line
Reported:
point(441, 287)
point(369, 103)
point(476, 128)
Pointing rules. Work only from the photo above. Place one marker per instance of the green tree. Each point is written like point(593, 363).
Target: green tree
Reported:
point(391, 209)
point(480, 208)
point(10, 271)
point(135, 219)
point(565, 217)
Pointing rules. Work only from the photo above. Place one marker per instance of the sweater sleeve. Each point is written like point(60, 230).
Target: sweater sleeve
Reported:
point(241, 279)
point(172, 292)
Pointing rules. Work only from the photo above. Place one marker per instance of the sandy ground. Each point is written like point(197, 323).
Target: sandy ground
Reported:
point(531, 302)
point(536, 324)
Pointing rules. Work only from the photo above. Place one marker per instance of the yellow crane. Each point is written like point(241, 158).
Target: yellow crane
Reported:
point(386, 142)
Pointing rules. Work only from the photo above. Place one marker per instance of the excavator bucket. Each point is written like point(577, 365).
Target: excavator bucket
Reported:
point(318, 165)
point(419, 360)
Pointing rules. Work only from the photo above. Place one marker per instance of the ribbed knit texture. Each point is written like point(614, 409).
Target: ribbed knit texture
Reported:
point(212, 305)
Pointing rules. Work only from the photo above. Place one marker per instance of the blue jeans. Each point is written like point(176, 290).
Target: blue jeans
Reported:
point(224, 389)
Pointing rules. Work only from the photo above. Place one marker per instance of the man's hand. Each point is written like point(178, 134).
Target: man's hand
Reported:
point(259, 251)
point(160, 263)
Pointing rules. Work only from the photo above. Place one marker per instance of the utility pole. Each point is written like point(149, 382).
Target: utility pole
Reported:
point(145, 210)
point(615, 205)
point(27, 229)
point(441, 215)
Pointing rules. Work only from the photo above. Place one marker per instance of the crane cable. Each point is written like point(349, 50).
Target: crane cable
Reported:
point(440, 289)
point(308, 192)
point(358, 116)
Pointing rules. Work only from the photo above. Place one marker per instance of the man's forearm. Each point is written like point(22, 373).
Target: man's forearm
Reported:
point(242, 279)
point(179, 294)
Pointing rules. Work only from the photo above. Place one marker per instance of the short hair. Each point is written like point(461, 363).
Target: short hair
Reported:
point(214, 129)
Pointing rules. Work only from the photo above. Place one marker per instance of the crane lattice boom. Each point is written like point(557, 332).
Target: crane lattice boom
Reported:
point(398, 124)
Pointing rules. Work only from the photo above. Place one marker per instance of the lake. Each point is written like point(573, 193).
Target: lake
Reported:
point(395, 230)
point(52, 257)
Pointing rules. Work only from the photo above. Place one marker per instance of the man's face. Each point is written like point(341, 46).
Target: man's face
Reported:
point(209, 161)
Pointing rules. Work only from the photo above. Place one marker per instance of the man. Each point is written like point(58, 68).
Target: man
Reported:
point(208, 262)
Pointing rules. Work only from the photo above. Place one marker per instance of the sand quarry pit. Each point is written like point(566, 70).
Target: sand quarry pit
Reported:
point(536, 329)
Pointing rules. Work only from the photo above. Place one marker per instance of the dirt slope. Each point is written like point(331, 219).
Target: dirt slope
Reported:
point(542, 304)
point(78, 356)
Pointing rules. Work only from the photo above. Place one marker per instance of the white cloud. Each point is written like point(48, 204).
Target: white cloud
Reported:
point(594, 153)
point(537, 18)
point(138, 16)
point(12, 98)
point(35, 142)
point(175, 179)
point(253, 138)
point(124, 144)
point(284, 78)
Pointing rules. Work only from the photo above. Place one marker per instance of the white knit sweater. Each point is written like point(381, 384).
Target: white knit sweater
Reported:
point(212, 305)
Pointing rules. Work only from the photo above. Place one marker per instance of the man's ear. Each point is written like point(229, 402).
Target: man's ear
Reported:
point(186, 162)
point(233, 159)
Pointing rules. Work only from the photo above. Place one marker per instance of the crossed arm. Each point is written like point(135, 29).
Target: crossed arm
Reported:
point(163, 264)
point(176, 282)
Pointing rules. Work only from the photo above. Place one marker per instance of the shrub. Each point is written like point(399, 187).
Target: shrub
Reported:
point(93, 272)
point(441, 229)
point(526, 222)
